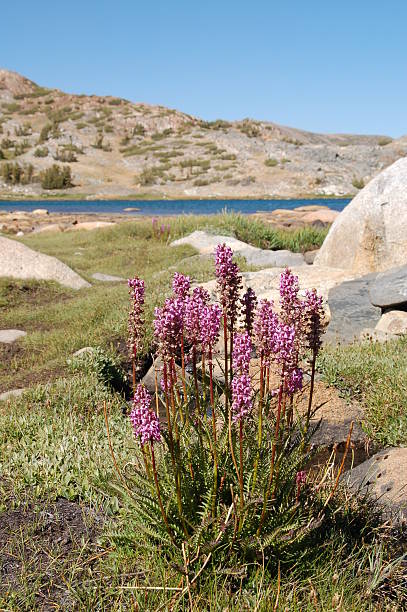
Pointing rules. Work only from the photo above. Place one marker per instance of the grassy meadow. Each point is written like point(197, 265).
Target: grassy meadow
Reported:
point(68, 539)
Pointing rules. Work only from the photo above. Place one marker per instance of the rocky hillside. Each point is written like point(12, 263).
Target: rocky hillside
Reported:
point(107, 147)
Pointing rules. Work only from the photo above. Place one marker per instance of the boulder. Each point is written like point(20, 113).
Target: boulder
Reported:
point(393, 322)
point(40, 211)
point(50, 227)
point(107, 278)
point(8, 336)
point(91, 225)
point(85, 350)
point(351, 309)
point(370, 234)
point(19, 261)
point(206, 243)
point(384, 477)
point(10, 394)
point(390, 288)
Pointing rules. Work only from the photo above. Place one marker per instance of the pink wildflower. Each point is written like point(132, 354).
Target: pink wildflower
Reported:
point(228, 280)
point(242, 401)
point(249, 303)
point(168, 324)
point(209, 327)
point(242, 349)
point(137, 290)
point(145, 422)
point(181, 285)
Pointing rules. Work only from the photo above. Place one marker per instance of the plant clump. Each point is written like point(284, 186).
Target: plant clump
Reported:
point(224, 472)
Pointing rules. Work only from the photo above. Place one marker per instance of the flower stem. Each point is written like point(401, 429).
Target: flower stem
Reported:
point(260, 425)
point(160, 503)
point(215, 457)
point(241, 474)
point(273, 456)
point(311, 391)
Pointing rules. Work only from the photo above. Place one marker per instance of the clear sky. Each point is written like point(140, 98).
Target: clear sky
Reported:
point(329, 66)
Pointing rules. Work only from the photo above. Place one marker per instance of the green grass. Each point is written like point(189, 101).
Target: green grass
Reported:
point(376, 374)
point(60, 321)
point(54, 446)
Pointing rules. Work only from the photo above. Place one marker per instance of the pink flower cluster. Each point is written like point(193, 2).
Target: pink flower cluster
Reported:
point(242, 350)
point(264, 328)
point(242, 400)
point(168, 326)
point(145, 422)
point(228, 281)
point(181, 285)
point(249, 303)
point(193, 314)
point(137, 291)
point(314, 315)
point(210, 324)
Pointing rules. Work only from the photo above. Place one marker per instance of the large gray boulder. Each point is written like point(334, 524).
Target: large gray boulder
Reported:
point(384, 478)
point(19, 261)
point(206, 243)
point(390, 288)
point(351, 310)
point(370, 234)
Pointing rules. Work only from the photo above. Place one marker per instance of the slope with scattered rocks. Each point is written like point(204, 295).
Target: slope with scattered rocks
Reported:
point(115, 147)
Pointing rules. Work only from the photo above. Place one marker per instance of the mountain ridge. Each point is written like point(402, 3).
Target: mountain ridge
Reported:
point(115, 147)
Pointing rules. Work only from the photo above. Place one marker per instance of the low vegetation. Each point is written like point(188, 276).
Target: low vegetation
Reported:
point(56, 177)
point(375, 374)
point(80, 531)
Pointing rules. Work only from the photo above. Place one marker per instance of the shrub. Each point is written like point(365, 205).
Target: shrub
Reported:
point(105, 367)
point(65, 156)
point(14, 174)
point(50, 129)
point(249, 128)
point(384, 141)
point(358, 183)
point(271, 162)
point(100, 144)
point(56, 177)
point(139, 130)
point(41, 152)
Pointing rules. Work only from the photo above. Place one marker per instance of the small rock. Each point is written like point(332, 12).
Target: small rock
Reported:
point(384, 476)
point(206, 243)
point(83, 350)
point(40, 211)
point(390, 288)
point(50, 227)
point(19, 234)
point(12, 393)
point(309, 256)
point(107, 277)
point(91, 225)
point(393, 322)
point(7, 336)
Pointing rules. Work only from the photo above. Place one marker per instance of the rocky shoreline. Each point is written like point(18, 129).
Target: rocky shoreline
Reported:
point(24, 222)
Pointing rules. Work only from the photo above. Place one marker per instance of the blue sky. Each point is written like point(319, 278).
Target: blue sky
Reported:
point(318, 65)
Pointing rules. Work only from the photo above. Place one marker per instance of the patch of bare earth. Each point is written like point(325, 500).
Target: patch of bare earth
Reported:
point(46, 551)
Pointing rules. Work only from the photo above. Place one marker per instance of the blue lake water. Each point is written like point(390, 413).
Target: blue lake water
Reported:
point(166, 207)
